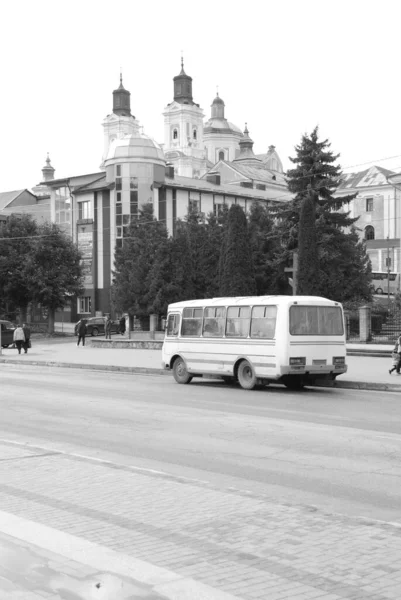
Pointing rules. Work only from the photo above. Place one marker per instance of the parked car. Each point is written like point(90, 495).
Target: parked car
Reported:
point(95, 326)
point(7, 333)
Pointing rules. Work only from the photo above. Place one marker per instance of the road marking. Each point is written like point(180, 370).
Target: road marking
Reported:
point(172, 585)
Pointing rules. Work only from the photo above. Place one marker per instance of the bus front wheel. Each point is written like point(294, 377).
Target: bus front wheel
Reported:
point(246, 376)
point(180, 372)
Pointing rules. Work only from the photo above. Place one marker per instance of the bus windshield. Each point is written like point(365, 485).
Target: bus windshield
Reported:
point(316, 320)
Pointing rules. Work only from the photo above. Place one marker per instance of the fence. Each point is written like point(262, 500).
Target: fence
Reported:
point(376, 327)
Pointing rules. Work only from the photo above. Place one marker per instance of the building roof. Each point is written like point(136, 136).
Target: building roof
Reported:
point(76, 181)
point(219, 125)
point(224, 188)
point(7, 197)
point(257, 173)
point(372, 177)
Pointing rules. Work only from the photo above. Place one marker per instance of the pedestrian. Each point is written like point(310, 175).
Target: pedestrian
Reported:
point(396, 357)
point(81, 331)
point(122, 325)
point(108, 328)
point(27, 334)
point(19, 338)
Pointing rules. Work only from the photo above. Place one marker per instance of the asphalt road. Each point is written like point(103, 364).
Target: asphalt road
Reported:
point(337, 450)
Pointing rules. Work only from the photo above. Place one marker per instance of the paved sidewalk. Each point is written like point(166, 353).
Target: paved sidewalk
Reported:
point(364, 372)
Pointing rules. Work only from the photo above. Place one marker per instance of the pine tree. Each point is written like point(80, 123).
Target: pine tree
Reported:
point(135, 262)
point(236, 267)
point(308, 282)
point(315, 170)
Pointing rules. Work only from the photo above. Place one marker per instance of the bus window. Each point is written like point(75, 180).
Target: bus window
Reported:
point(316, 320)
point(214, 321)
point(192, 322)
point(263, 324)
point(173, 325)
point(238, 321)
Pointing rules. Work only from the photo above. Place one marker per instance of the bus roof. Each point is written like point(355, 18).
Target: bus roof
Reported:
point(247, 300)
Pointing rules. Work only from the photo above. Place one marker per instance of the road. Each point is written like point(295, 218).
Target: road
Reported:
point(171, 463)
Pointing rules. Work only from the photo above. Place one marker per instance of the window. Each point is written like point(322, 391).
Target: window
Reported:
point(175, 134)
point(84, 210)
point(118, 170)
point(316, 320)
point(194, 206)
point(263, 324)
point(118, 196)
point(369, 204)
point(191, 322)
point(133, 183)
point(214, 322)
point(219, 209)
point(194, 134)
point(84, 305)
point(119, 184)
point(369, 233)
point(221, 155)
point(238, 321)
point(173, 325)
point(134, 203)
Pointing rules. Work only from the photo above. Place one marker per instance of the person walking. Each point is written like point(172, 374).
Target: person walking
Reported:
point(396, 357)
point(27, 334)
point(121, 327)
point(81, 332)
point(108, 328)
point(19, 338)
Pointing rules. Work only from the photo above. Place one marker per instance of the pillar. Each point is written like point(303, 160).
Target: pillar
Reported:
point(365, 324)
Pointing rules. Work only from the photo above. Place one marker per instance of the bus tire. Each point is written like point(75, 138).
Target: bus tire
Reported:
point(293, 382)
point(246, 376)
point(180, 372)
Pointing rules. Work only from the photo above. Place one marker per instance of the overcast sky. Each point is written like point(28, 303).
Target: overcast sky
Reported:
point(283, 67)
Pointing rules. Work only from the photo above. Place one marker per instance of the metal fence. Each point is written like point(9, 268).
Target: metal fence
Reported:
point(385, 326)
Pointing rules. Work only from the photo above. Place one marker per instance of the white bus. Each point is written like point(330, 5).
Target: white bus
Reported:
point(256, 340)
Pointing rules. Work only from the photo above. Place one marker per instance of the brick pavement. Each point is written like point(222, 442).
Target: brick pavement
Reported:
point(237, 542)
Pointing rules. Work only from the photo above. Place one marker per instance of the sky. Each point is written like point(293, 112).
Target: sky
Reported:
point(282, 66)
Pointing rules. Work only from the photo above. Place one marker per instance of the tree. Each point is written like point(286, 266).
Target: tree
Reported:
point(315, 171)
point(54, 273)
point(308, 283)
point(236, 268)
point(135, 265)
point(266, 247)
point(16, 243)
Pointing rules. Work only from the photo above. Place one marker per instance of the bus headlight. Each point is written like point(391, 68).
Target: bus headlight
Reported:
point(298, 360)
point(338, 360)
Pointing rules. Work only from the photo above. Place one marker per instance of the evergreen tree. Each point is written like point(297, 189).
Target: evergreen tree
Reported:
point(308, 282)
point(209, 260)
point(315, 170)
point(235, 267)
point(54, 272)
point(135, 262)
point(265, 248)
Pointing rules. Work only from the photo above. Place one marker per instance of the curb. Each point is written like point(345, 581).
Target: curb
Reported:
point(350, 385)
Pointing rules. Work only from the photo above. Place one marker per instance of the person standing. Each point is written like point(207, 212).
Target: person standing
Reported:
point(108, 328)
point(81, 332)
point(397, 361)
point(27, 334)
point(19, 338)
point(122, 325)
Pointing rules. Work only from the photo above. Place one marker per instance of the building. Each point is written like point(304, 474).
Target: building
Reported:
point(378, 206)
point(96, 208)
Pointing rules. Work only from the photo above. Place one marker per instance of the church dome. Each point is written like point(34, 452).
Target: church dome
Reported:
point(136, 146)
point(218, 100)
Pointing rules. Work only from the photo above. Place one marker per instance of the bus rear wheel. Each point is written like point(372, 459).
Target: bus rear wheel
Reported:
point(180, 372)
point(246, 376)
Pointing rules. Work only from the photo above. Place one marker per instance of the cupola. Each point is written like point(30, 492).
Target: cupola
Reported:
point(48, 170)
point(183, 87)
point(218, 108)
point(246, 154)
point(121, 100)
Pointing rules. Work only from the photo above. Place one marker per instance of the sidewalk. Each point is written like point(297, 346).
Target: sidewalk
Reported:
point(364, 370)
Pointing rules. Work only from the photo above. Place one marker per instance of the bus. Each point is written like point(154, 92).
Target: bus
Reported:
point(384, 283)
point(256, 340)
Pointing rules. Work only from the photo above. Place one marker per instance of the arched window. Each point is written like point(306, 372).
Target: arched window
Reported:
point(194, 134)
point(175, 134)
point(221, 155)
point(369, 233)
